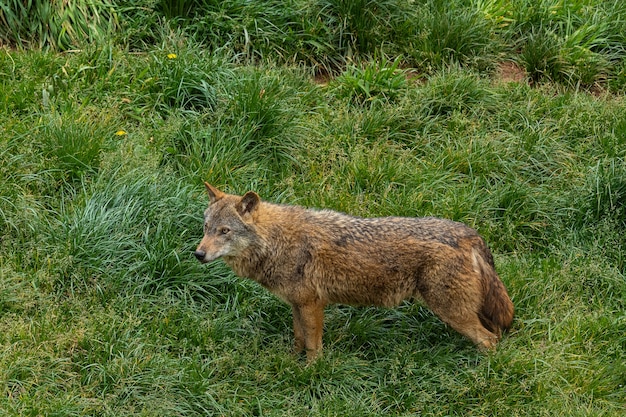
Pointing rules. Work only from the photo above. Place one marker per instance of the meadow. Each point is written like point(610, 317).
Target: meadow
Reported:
point(507, 116)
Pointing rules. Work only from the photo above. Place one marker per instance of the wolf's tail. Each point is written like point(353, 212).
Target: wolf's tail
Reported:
point(497, 310)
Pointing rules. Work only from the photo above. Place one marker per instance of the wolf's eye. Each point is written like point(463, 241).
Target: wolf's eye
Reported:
point(223, 230)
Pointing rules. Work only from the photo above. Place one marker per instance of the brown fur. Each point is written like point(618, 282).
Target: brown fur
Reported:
point(311, 258)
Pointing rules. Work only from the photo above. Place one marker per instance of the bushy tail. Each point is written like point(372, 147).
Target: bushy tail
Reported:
point(497, 309)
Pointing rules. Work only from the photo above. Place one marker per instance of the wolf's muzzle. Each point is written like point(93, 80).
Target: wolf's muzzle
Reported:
point(200, 254)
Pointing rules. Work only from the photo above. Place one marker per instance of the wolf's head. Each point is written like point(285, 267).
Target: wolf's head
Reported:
point(228, 228)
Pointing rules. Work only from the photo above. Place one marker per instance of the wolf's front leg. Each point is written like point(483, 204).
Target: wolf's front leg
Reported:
point(298, 344)
point(308, 328)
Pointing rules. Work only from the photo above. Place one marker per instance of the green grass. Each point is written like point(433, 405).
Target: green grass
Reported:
point(104, 311)
point(57, 24)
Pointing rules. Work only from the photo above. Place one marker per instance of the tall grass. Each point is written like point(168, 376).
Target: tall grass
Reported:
point(60, 25)
point(257, 123)
point(176, 78)
point(570, 43)
point(361, 26)
point(125, 232)
point(452, 35)
point(567, 42)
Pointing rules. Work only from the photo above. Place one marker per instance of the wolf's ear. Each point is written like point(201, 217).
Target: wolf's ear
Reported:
point(248, 203)
point(214, 193)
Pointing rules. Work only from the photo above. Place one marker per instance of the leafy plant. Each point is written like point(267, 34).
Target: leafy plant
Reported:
point(382, 80)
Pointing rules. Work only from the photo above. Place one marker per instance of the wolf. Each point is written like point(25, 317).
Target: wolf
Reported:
point(310, 258)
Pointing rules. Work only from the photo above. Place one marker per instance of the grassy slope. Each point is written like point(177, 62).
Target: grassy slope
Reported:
point(103, 311)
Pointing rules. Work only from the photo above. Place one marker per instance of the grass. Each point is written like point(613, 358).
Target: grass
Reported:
point(104, 147)
point(60, 24)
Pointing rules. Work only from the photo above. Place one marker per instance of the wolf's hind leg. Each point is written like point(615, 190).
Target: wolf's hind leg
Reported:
point(458, 306)
point(471, 327)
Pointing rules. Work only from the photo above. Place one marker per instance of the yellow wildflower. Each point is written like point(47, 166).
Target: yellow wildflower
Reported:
point(121, 133)
point(171, 56)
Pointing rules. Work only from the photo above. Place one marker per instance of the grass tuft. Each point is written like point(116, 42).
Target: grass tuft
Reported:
point(452, 36)
point(58, 25)
point(75, 147)
point(451, 91)
point(383, 80)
